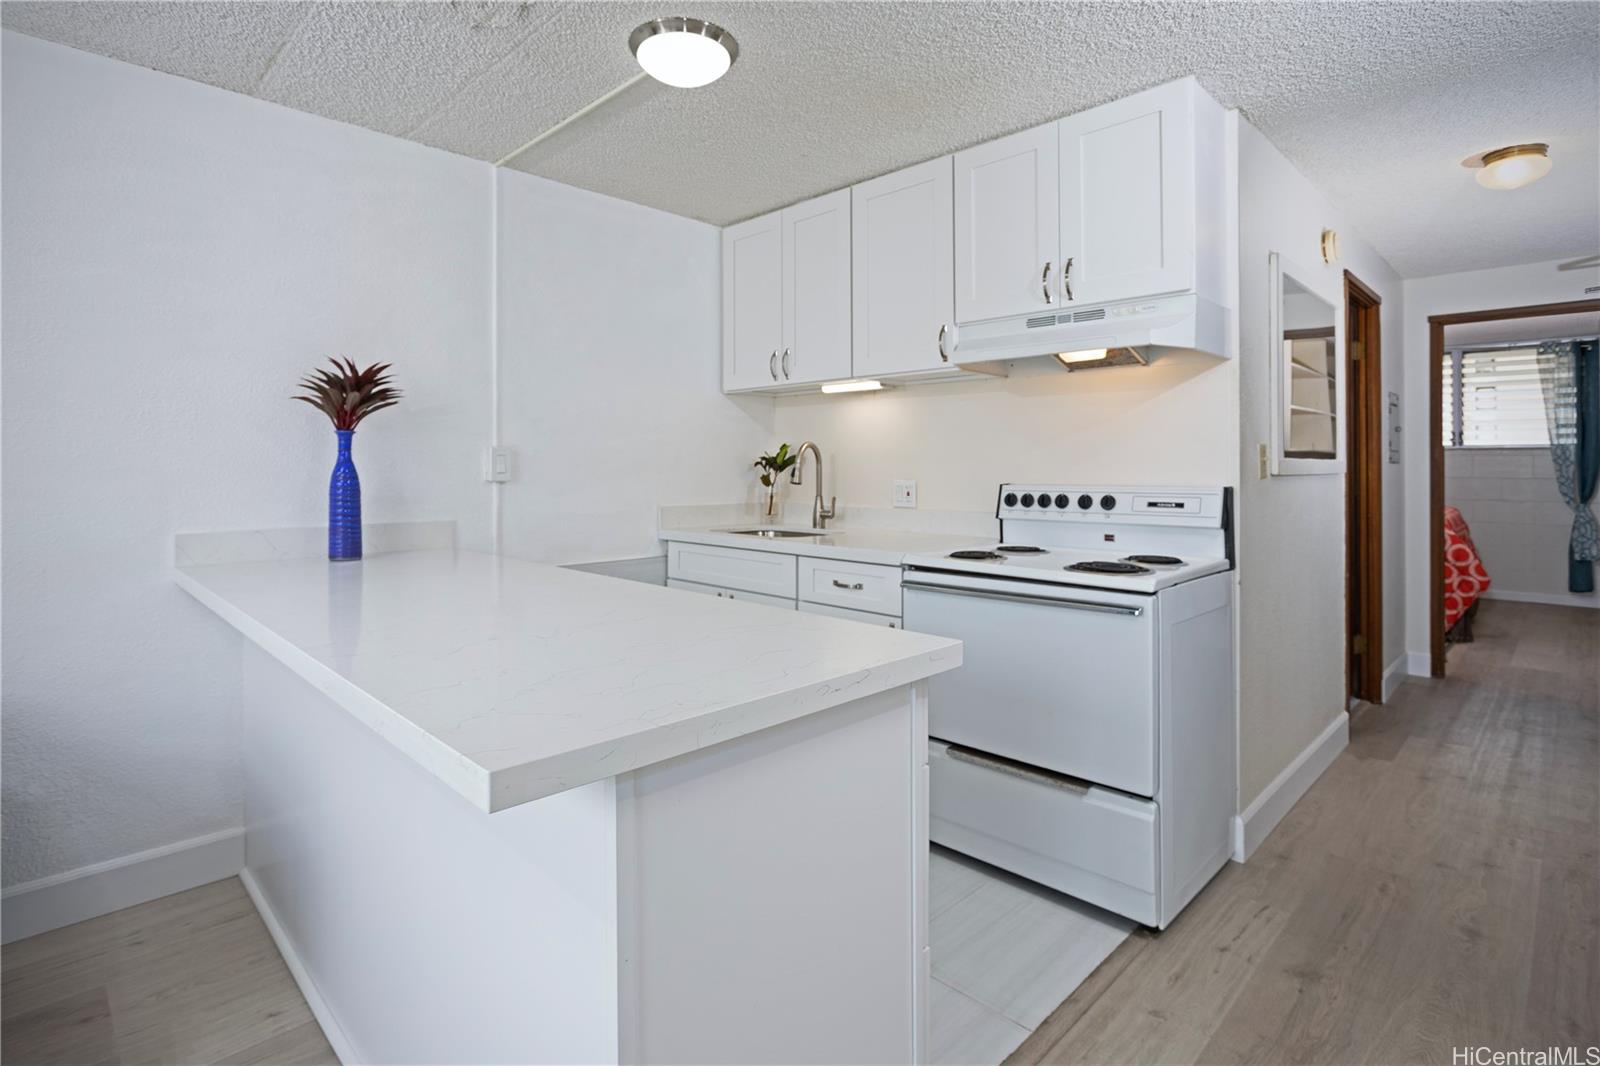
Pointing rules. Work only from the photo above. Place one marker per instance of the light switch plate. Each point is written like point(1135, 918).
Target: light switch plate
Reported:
point(905, 493)
point(497, 464)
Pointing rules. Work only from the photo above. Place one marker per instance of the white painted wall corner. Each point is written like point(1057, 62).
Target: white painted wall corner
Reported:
point(90, 891)
point(1279, 798)
point(1419, 664)
point(1395, 673)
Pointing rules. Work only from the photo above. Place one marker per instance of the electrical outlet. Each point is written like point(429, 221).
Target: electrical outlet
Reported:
point(905, 493)
point(1263, 473)
point(497, 464)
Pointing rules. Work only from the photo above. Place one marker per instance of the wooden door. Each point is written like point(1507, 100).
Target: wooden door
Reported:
point(1365, 451)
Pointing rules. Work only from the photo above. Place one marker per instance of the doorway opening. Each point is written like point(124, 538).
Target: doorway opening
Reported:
point(1437, 502)
point(1364, 448)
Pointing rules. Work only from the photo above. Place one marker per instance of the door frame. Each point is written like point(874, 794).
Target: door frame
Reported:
point(1364, 487)
point(1436, 325)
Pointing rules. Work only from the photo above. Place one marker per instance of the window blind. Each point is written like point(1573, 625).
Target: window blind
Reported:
point(1493, 398)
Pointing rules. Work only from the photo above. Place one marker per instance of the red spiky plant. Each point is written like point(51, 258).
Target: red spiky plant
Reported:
point(349, 395)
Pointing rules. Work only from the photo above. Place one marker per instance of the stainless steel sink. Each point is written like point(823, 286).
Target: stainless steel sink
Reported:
point(776, 533)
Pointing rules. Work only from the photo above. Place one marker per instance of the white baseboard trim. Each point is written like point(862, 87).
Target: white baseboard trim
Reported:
point(88, 892)
point(1419, 663)
point(331, 1028)
point(1555, 599)
point(1278, 798)
point(1395, 674)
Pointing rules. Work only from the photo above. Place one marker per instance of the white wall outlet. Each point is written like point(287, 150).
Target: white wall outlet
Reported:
point(497, 464)
point(905, 493)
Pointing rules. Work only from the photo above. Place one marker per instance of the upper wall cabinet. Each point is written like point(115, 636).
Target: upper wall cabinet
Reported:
point(1127, 201)
point(786, 296)
point(1007, 228)
point(1120, 202)
point(752, 302)
point(902, 271)
point(816, 290)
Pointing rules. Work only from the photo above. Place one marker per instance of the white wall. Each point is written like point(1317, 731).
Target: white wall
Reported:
point(175, 256)
point(1172, 421)
point(1520, 524)
point(610, 377)
point(1291, 529)
point(1442, 294)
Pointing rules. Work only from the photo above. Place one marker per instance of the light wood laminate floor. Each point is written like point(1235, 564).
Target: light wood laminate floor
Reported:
point(1439, 887)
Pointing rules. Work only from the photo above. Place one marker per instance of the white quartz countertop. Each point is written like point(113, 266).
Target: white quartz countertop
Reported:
point(512, 680)
point(866, 545)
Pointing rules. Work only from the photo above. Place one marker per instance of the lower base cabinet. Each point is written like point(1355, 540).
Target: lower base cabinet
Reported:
point(854, 616)
point(731, 594)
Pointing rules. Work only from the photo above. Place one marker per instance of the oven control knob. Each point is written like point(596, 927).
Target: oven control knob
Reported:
point(1044, 499)
point(1011, 499)
point(1085, 501)
point(1062, 500)
point(1027, 499)
point(1108, 501)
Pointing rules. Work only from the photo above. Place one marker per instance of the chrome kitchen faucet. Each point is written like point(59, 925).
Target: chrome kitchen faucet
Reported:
point(819, 514)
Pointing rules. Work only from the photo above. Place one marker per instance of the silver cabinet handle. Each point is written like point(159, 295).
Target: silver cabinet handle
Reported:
point(841, 585)
point(772, 364)
point(1044, 282)
point(1066, 277)
point(944, 356)
point(785, 364)
point(1046, 601)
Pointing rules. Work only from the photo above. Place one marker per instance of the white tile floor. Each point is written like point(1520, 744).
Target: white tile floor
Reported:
point(1005, 952)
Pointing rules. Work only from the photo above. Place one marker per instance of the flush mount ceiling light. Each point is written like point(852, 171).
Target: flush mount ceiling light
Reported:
point(1095, 358)
point(852, 386)
point(1510, 168)
point(685, 53)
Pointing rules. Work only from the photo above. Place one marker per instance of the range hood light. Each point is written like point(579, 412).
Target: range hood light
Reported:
point(852, 386)
point(1095, 358)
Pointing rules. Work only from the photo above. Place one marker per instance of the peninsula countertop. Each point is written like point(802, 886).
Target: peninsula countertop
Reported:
point(512, 680)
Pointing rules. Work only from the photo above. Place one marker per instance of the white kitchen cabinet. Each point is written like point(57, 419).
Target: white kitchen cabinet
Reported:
point(902, 253)
point(816, 290)
point(858, 586)
point(743, 569)
point(1007, 225)
point(731, 594)
point(1128, 197)
point(752, 302)
point(871, 619)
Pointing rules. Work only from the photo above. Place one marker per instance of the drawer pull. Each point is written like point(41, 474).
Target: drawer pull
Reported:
point(1017, 769)
point(857, 587)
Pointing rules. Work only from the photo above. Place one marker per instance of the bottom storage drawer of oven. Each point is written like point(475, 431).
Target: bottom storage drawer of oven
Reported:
point(1097, 845)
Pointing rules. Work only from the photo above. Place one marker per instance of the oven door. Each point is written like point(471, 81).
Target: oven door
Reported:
point(1058, 677)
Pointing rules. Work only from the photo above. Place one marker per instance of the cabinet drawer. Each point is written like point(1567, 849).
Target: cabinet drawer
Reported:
point(854, 616)
point(732, 594)
point(733, 568)
point(858, 586)
point(1088, 842)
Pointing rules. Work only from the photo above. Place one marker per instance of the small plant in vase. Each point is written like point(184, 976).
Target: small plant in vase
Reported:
point(347, 395)
point(772, 467)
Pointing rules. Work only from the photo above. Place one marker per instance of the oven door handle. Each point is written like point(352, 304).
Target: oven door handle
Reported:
point(1048, 601)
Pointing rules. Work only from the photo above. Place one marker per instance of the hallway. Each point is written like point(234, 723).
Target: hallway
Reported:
point(1439, 887)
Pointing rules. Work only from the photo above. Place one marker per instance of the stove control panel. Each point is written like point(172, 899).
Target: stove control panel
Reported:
point(1098, 503)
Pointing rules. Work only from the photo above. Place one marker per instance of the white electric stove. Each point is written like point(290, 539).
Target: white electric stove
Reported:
point(1088, 741)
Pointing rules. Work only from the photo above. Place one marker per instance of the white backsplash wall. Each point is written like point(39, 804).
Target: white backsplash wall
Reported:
point(1520, 524)
point(1172, 421)
point(175, 257)
point(610, 385)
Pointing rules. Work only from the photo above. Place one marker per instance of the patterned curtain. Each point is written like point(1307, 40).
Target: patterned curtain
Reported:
point(1569, 374)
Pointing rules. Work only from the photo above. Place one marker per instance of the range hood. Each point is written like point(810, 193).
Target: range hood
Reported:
point(1185, 321)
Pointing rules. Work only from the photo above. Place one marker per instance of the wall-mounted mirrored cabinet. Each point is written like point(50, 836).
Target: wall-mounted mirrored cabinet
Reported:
point(1304, 342)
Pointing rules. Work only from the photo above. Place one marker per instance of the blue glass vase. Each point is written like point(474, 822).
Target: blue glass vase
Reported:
point(344, 503)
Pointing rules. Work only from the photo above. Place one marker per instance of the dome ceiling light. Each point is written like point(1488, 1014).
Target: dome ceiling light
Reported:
point(685, 53)
point(1510, 168)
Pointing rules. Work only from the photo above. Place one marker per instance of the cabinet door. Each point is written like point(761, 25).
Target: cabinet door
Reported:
point(752, 302)
point(816, 290)
point(1007, 222)
point(902, 249)
point(1127, 229)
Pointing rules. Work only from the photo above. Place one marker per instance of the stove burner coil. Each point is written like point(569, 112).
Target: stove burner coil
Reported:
point(1019, 549)
point(1154, 560)
point(1095, 566)
point(976, 555)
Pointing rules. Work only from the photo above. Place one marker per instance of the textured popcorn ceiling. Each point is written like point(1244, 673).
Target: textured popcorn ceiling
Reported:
point(1376, 103)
